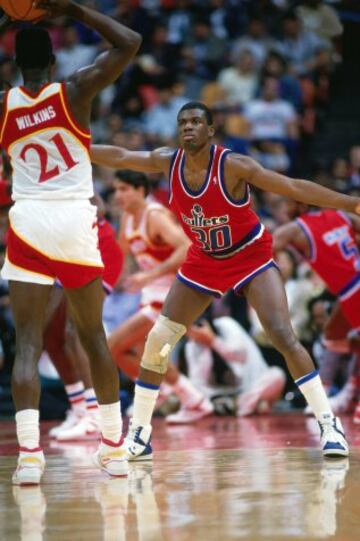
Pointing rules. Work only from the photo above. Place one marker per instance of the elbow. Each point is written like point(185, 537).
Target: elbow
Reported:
point(134, 42)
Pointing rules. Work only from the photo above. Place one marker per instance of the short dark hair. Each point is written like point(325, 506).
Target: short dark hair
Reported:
point(33, 48)
point(198, 105)
point(135, 179)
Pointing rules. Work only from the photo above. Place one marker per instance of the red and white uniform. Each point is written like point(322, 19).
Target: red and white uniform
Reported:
point(148, 255)
point(53, 231)
point(230, 245)
point(335, 257)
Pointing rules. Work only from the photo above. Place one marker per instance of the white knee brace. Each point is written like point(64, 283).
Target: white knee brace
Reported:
point(159, 344)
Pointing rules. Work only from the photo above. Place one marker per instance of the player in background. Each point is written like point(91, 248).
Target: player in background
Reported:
point(149, 233)
point(44, 128)
point(209, 193)
point(327, 240)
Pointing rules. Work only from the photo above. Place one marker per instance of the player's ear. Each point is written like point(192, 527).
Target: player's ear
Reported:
point(211, 131)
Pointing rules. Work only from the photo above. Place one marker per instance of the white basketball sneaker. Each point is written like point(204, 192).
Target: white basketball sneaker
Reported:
point(332, 436)
point(87, 428)
point(112, 458)
point(138, 442)
point(71, 419)
point(191, 414)
point(30, 467)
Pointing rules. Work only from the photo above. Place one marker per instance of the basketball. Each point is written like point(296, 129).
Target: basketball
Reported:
point(21, 10)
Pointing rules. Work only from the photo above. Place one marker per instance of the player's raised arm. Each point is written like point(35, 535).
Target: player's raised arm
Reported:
point(300, 190)
point(110, 64)
point(156, 161)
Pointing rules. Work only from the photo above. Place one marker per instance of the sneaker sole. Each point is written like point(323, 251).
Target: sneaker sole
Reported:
point(30, 478)
point(140, 458)
point(338, 453)
point(85, 437)
point(116, 469)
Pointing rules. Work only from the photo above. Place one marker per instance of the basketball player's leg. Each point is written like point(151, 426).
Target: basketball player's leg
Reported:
point(85, 304)
point(28, 304)
point(266, 293)
point(182, 306)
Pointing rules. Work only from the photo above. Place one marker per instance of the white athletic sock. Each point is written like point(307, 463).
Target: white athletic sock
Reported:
point(144, 403)
point(27, 428)
point(111, 421)
point(188, 394)
point(311, 387)
point(92, 406)
point(75, 394)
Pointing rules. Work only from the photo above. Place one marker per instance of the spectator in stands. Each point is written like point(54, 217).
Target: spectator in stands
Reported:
point(276, 66)
point(256, 40)
point(179, 22)
point(161, 120)
point(298, 46)
point(272, 127)
point(203, 55)
point(320, 19)
point(73, 54)
point(240, 80)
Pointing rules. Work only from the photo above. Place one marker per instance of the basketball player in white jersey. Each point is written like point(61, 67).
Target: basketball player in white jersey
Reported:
point(53, 234)
point(149, 233)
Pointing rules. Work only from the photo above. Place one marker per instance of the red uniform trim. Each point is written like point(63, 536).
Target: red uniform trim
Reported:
point(85, 132)
point(71, 275)
point(33, 95)
point(26, 450)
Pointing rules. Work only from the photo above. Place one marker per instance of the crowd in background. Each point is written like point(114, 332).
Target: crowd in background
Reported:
point(265, 69)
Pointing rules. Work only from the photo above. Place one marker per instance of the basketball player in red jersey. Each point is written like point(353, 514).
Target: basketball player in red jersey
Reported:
point(53, 233)
point(150, 233)
point(209, 192)
point(327, 240)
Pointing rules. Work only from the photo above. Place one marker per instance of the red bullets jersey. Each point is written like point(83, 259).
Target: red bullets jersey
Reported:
point(216, 223)
point(334, 252)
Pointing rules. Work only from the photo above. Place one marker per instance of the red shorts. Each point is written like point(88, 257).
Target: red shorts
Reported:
point(350, 303)
point(216, 276)
point(111, 256)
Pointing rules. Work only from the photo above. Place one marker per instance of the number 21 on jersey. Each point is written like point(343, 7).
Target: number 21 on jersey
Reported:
point(47, 173)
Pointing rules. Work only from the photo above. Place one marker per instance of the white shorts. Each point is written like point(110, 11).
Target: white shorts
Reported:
point(51, 239)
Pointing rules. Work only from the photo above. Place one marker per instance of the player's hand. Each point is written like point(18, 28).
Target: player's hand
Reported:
point(137, 281)
point(202, 333)
point(54, 8)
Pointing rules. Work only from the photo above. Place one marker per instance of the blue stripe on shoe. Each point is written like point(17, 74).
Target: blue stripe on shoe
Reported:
point(333, 445)
point(307, 377)
point(147, 385)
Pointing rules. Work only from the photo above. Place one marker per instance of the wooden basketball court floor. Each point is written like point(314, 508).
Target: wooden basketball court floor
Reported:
point(260, 478)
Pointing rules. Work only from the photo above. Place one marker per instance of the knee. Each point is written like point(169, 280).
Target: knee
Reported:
point(161, 341)
point(283, 338)
point(91, 338)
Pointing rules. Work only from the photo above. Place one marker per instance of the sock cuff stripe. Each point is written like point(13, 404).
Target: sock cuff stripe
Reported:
point(27, 450)
point(76, 393)
point(111, 443)
point(307, 377)
point(92, 407)
point(76, 400)
point(147, 385)
point(92, 399)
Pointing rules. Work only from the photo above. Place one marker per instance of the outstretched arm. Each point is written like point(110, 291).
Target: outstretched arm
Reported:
point(300, 190)
point(109, 65)
point(156, 161)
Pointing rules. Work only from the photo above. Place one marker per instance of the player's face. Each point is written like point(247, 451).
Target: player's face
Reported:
point(193, 130)
point(126, 196)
